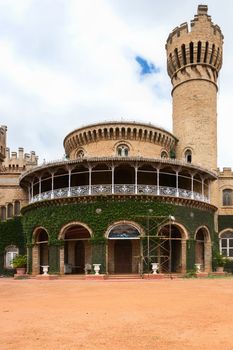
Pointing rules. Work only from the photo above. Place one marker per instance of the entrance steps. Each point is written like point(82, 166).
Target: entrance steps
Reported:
point(127, 276)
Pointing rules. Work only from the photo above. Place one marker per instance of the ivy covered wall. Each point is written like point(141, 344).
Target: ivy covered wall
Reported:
point(225, 221)
point(101, 212)
point(11, 233)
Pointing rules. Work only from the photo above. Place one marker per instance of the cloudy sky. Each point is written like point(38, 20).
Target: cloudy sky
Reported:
point(66, 63)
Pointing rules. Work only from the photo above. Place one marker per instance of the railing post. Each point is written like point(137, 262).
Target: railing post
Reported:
point(158, 189)
point(192, 196)
point(90, 169)
point(136, 179)
point(177, 183)
point(113, 168)
point(209, 191)
point(69, 182)
point(29, 194)
point(52, 186)
point(202, 188)
point(39, 188)
point(32, 191)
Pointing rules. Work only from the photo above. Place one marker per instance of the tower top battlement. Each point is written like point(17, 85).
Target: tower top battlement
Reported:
point(201, 25)
point(201, 45)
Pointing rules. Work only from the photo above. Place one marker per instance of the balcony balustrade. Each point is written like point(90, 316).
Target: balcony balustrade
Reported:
point(126, 189)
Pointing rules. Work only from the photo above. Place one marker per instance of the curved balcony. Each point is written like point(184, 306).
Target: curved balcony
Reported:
point(119, 189)
point(117, 176)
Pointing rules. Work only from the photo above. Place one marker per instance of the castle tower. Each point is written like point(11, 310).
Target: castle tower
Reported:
point(194, 59)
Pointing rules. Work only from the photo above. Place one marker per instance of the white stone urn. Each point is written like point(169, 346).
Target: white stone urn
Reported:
point(97, 268)
point(45, 269)
point(155, 267)
point(198, 268)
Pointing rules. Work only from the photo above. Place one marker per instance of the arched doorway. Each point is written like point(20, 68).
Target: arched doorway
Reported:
point(171, 251)
point(203, 249)
point(77, 249)
point(124, 248)
point(40, 255)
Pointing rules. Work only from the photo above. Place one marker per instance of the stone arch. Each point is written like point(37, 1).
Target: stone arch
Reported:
point(76, 253)
point(36, 231)
point(172, 249)
point(124, 251)
point(203, 251)
point(40, 250)
point(73, 223)
point(206, 233)
point(181, 227)
point(125, 222)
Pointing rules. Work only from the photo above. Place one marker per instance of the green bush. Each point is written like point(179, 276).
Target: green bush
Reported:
point(19, 261)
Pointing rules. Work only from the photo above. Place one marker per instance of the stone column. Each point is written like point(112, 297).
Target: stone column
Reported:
point(35, 260)
point(62, 260)
point(208, 257)
point(183, 255)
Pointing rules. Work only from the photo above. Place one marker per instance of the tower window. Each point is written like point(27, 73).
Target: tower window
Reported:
point(188, 156)
point(164, 154)
point(227, 197)
point(10, 210)
point(80, 154)
point(123, 151)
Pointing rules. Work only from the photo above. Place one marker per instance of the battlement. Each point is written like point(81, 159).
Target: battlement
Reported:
point(201, 45)
point(3, 130)
point(202, 21)
point(225, 172)
point(19, 161)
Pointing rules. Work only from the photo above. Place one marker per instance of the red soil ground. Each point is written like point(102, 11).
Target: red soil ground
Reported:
point(73, 314)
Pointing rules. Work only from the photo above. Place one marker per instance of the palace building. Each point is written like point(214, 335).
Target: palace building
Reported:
point(129, 194)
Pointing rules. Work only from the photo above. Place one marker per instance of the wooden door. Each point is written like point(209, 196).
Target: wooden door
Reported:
point(79, 257)
point(123, 256)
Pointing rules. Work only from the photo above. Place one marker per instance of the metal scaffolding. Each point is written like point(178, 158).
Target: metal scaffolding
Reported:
point(156, 244)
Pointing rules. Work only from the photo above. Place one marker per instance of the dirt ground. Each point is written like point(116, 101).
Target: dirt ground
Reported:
point(73, 314)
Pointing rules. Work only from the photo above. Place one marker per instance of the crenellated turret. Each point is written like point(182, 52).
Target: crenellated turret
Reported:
point(3, 130)
point(196, 53)
point(194, 59)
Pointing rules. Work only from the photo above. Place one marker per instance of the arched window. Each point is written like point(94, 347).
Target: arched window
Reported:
point(188, 156)
point(10, 253)
point(9, 210)
point(80, 154)
point(226, 243)
point(164, 154)
point(17, 208)
point(227, 197)
point(3, 213)
point(123, 151)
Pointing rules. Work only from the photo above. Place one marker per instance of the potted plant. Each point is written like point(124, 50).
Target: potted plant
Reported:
point(19, 263)
point(220, 261)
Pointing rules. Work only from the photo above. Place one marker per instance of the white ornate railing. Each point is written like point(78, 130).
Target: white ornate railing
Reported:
point(119, 189)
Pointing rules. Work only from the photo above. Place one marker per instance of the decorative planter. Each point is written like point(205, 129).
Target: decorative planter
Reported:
point(45, 270)
point(220, 268)
point(198, 268)
point(97, 268)
point(20, 270)
point(155, 267)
